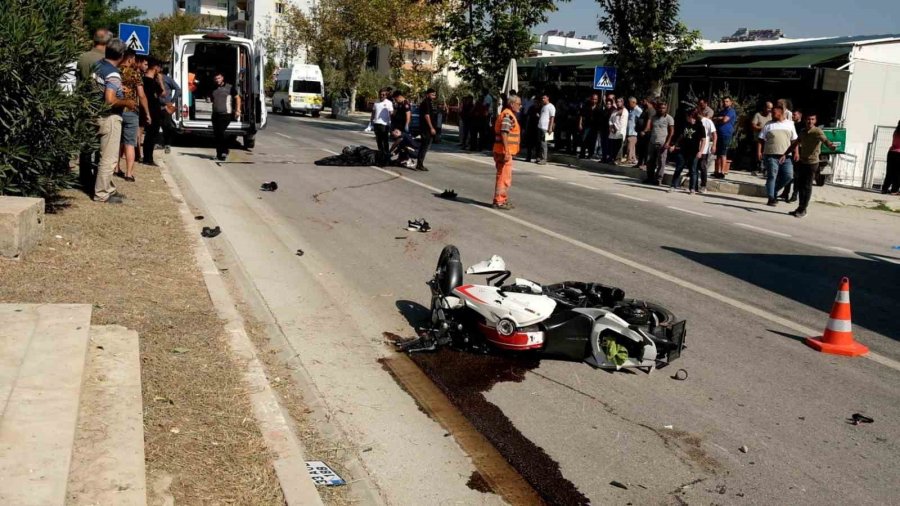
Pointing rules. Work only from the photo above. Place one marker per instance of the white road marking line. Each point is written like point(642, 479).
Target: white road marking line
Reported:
point(464, 157)
point(774, 318)
point(842, 250)
point(549, 177)
point(629, 197)
point(763, 230)
point(688, 211)
point(582, 185)
point(285, 136)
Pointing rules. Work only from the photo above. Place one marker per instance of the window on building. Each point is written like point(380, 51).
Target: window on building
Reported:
point(222, 4)
point(279, 7)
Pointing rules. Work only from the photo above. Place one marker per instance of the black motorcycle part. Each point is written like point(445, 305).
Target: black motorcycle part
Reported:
point(567, 334)
point(449, 272)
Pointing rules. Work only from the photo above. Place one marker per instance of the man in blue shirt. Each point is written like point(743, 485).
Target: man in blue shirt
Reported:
point(725, 122)
point(109, 85)
point(634, 112)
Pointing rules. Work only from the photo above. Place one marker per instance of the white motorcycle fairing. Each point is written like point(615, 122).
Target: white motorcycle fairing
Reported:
point(508, 316)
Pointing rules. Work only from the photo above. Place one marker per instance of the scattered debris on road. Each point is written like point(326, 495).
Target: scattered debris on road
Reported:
point(198, 217)
point(322, 475)
point(300, 253)
point(857, 418)
point(419, 225)
point(448, 194)
point(744, 449)
point(680, 375)
point(618, 484)
point(269, 186)
point(211, 232)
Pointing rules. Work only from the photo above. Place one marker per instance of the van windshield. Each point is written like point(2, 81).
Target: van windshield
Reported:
point(307, 87)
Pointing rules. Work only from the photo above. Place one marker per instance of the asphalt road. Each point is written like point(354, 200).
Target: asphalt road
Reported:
point(750, 280)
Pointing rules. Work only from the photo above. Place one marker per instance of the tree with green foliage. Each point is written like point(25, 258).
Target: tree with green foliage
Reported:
point(42, 125)
point(107, 14)
point(648, 42)
point(165, 28)
point(483, 35)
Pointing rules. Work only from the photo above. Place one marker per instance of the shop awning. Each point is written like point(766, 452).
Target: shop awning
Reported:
point(797, 61)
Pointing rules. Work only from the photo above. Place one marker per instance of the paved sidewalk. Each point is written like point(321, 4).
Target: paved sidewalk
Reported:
point(737, 182)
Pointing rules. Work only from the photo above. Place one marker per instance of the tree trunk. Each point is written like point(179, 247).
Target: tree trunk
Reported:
point(353, 99)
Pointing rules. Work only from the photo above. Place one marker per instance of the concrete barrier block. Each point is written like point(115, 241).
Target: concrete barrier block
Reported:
point(21, 225)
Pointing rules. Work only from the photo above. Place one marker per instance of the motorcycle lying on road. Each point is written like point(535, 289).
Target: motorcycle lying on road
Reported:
point(572, 320)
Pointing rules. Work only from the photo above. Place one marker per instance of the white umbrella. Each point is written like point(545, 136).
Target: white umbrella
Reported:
point(511, 79)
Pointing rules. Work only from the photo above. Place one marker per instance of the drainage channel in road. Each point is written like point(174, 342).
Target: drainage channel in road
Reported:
point(449, 386)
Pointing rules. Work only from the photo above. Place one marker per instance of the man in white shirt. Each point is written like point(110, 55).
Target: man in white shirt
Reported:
point(381, 120)
point(618, 127)
point(777, 148)
point(546, 123)
point(710, 153)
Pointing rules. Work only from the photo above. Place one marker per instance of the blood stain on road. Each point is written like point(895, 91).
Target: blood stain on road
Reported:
point(464, 377)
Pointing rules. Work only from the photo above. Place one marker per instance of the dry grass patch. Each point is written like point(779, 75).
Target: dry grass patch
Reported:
point(133, 262)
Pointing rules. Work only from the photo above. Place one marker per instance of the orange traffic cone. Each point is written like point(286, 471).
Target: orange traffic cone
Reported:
point(838, 337)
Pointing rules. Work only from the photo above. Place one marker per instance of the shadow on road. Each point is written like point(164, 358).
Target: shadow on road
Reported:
point(813, 280)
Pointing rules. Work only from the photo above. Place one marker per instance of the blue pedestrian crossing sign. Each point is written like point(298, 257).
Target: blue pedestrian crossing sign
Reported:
point(135, 37)
point(604, 78)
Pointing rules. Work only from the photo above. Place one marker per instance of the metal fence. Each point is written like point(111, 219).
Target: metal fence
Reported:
point(876, 156)
point(847, 170)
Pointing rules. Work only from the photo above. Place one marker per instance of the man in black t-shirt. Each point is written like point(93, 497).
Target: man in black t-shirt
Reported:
point(427, 126)
point(402, 112)
point(152, 90)
point(224, 112)
point(690, 145)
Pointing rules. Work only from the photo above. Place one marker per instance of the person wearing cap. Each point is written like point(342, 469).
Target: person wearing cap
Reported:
point(506, 145)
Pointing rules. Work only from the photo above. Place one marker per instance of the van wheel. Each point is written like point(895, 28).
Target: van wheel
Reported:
point(249, 141)
point(315, 114)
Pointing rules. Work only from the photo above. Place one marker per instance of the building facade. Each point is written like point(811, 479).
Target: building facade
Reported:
point(217, 8)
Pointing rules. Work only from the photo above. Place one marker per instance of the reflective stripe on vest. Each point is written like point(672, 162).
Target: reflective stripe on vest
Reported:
point(512, 137)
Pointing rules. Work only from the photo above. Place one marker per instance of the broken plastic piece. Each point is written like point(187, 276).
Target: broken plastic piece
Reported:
point(269, 186)
point(198, 217)
point(418, 225)
point(680, 375)
point(857, 418)
point(448, 194)
point(618, 484)
point(744, 449)
point(210, 232)
point(300, 253)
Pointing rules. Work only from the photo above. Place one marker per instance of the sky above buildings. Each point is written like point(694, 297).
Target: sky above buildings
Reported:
point(716, 18)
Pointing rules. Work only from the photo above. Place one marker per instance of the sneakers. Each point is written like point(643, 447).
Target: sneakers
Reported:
point(422, 168)
point(506, 206)
point(113, 199)
point(702, 189)
point(541, 162)
point(798, 213)
point(168, 150)
point(772, 202)
point(671, 189)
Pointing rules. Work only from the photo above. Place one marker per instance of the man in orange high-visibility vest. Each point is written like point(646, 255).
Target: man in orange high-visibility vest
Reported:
point(506, 145)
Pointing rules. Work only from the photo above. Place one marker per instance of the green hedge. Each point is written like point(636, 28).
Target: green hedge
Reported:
point(42, 126)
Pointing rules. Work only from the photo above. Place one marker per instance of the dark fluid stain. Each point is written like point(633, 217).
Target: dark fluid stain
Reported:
point(477, 482)
point(386, 367)
point(464, 377)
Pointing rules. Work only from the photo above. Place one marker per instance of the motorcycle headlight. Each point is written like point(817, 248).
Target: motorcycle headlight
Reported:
point(506, 327)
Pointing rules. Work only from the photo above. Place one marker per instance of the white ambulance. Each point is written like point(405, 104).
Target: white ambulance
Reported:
point(299, 89)
point(195, 61)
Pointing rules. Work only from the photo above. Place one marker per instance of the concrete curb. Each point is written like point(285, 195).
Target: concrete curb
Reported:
point(290, 464)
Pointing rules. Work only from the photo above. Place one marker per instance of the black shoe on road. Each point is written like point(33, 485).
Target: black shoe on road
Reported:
point(772, 202)
point(422, 168)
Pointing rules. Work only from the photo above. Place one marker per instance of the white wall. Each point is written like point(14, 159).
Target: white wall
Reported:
point(873, 98)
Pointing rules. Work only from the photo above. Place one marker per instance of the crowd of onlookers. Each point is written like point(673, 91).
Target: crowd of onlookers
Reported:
point(643, 133)
point(136, 100)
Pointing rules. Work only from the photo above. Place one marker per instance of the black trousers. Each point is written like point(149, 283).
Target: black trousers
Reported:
point(151, 133)
point(424, 144)
point(168, 128)
point(642, 144)
point(382, 138)
point(87, 169)
point(588, 143)
point(614, 145)
point(220, 121)
point(803, 182)
point(891, 182)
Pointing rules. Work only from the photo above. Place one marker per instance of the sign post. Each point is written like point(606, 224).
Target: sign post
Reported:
point(136, 37)
point(604, 78)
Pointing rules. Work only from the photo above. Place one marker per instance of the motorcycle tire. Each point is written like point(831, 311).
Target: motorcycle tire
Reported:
point(449, 271)
point(663, 317)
